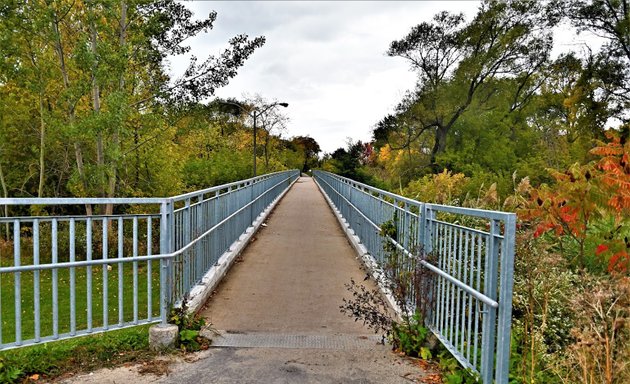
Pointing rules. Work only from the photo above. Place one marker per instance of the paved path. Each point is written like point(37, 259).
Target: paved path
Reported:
point(292, 277)
point(278, 309)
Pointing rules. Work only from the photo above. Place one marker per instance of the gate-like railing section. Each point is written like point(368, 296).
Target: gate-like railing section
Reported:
point(64, 274)
point(470, 253)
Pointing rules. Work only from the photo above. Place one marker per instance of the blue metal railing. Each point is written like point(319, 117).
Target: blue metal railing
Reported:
point(63, 276)
point(471, 257)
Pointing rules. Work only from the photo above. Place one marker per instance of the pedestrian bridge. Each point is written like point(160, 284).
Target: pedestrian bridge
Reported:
point(292, 243)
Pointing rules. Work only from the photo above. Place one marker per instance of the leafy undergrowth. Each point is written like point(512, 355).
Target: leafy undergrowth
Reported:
point(84, 354)
point(189, 326)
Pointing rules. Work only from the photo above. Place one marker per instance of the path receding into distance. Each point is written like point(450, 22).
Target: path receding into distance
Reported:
point(291, 279)
point(278, 310)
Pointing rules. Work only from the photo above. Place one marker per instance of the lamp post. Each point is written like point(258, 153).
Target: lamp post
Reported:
point(255, 112)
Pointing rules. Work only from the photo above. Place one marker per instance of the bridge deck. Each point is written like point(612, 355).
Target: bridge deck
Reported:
point(279, 309)
point(291, 278)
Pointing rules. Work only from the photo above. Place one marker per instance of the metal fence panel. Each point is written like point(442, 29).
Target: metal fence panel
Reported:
point(64, 274)
point(73, 275)
point(207, 222)
point(470, 253)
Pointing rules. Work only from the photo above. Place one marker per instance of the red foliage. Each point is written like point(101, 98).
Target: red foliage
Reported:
point(615, 167)
point(583, 194)
point(619, 262)
point(601, 249)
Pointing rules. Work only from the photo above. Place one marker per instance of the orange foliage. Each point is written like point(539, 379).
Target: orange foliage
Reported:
point(586, 193)
point(615, 167)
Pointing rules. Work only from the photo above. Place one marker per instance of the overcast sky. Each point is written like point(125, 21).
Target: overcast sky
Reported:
point(325, 58)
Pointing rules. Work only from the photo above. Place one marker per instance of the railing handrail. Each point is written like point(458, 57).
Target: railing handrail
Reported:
point(192, 194)
point(126, 200)
point(482, 213)
point(79, 200)
point(154, 260)
point(473, 267)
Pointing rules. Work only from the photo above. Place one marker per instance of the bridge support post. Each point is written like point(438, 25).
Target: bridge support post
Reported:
point(163, 337)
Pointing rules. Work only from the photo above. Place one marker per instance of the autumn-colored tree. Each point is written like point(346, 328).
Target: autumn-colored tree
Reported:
point(589, 204)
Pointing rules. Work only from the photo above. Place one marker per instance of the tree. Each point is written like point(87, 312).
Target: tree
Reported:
point(382, 131)
point(456, 63)
point(349, 161)
point(92, 77)
point(271, 121)
point(310, 149)
point(611, 21)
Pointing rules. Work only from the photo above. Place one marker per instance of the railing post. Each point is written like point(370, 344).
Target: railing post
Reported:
point(490, 313)
point(425, 233)
point(187, 236)
point(251, 203)
point(427, 216)
point(166, 246)
point(199, 229)
point(505, 300)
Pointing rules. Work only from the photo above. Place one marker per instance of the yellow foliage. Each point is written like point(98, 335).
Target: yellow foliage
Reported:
point(384, 154)
point(442, 188)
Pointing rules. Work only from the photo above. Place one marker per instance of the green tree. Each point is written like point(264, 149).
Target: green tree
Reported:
point(456, 63)
point(309, 148)
point(609, 20)
point(91, 76)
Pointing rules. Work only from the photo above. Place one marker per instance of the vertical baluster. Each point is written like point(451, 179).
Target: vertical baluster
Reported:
point(135, 270)
point(478, 288)
point(467, 304)
point(55, 281)
point(149, 277)
point(200, 266)
point(17, 282)
point(121, 251)
point(36, 288)
point(88, 257)
point(8, 239)
point(105, 277)
point(73, 303)
point(186, 236)
point(460, 293)
point(444, 281)
point(451, 287)
point(441, 239)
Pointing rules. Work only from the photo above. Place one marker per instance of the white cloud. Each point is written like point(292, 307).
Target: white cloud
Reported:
point(326, 59)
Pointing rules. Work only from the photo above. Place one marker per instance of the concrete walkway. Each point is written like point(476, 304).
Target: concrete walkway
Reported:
point(291, 278)
point(278, 309)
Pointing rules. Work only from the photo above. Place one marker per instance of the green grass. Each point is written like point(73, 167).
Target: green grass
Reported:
point(82, 354)
point(27, 296)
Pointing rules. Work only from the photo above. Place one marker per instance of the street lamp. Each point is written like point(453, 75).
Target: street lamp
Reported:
point(255, 112)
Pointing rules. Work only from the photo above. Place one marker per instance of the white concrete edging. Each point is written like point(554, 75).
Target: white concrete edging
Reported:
point(368, 260)
point(201, 292)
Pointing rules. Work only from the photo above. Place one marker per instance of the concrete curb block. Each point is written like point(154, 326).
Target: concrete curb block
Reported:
point(163, 337)
point(368, 260)
point(201, 292)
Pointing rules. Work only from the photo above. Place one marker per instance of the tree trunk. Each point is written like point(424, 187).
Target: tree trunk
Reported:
point(66, 83)
point(5, 193)
point(42, 147)
point(113, 171)
point(136, 139)
point(96, 106)
point(439, 146)
point(42, 128)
